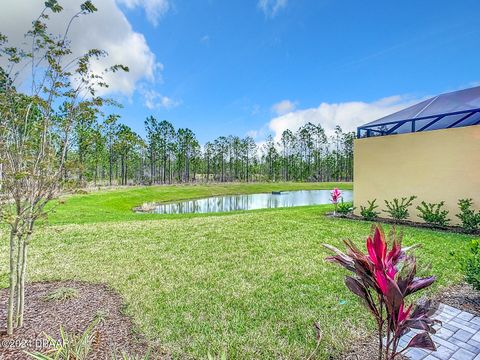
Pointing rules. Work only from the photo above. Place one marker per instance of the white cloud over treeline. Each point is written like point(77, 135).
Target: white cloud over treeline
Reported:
point(348, 115)
point(107, 29)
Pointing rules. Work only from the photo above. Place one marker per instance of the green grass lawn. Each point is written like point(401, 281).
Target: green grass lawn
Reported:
point(117, 205)
point(250, 284)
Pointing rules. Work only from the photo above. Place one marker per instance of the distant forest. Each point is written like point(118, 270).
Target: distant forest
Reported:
point(111, 153)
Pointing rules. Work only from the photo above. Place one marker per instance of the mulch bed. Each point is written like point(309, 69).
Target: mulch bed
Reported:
point(451, 229)
point(365, 349)
point(114, 333)
point(462, 297)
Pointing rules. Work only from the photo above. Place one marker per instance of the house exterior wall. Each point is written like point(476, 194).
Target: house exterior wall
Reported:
point(439, 165)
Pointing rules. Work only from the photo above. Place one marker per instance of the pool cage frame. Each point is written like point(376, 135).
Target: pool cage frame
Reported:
point(389, 127)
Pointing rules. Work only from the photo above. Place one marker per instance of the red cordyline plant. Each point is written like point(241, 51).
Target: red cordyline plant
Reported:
point(383, 278)
point(336, 195)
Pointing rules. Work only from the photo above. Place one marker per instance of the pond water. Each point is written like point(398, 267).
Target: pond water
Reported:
point(227, 203)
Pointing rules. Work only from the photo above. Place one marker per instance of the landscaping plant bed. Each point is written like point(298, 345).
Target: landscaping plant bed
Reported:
point(365, 349)
point(461, 296)
point(452, 229)
point(44, 316)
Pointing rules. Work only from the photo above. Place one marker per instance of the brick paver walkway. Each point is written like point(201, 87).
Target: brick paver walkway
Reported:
point(457, 339)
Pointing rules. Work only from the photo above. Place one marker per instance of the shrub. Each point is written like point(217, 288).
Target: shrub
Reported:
point(383, 279)
point(345, 208)
point(398, 209)
point(368, 212)
point(61, 294)
point(470, 220)
point(433, 214)
point(472, 265)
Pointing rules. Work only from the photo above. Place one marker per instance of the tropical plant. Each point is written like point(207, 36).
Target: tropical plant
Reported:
point(398, 209)
point(472, 265)
point(70, 346)
point(433, 213)
point(383, 279)
point(335, 196)
point(470, 220)
point(345, 208)
point(368, 212)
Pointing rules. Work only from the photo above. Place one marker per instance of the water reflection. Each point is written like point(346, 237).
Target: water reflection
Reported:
point(247, 202)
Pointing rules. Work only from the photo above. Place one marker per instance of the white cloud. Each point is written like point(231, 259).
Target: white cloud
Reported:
point(271, 7)
point(348, 115)
point(155, 100)
point(205, 39)
point(253, 133)
point(107, 29)
point(283, 107)
point(154, 9)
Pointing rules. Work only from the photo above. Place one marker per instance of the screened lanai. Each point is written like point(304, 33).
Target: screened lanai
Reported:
point(436, 166)
point(451, 110)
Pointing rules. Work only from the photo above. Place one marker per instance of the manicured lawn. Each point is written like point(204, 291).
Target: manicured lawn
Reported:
point(117, 205)
point(250, 284)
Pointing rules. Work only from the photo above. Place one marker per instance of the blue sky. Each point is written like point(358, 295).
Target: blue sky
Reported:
point(219, 67)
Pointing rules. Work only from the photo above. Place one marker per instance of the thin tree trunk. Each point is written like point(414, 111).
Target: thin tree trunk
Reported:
point(208, 169)
point(23, 276)
point(18, 284)
point(12, 283)
point(110, 168)
point(165, 168)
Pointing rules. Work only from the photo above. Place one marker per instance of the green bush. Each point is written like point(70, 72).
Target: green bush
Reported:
point(368, 212)
point(398, 209)
point(472, 265)
point(470, 220)
point(433, 213)
point(345, 208)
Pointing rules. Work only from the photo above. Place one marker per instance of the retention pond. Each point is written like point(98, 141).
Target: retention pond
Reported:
point(226, 203)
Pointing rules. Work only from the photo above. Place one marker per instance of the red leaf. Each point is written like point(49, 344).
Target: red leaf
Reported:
point(394, 297)
point(422, 341)
point(419, 284)
point(381, 281)
point(356, 287)
point(371, 251)
point(359, 289)
point(403, 314)
point(379, 244)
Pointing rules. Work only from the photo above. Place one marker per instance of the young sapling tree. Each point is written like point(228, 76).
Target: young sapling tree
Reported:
point(44, 89)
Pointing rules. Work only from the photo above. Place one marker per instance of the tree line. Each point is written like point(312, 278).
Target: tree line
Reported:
point(107, 152)
point(53, 133)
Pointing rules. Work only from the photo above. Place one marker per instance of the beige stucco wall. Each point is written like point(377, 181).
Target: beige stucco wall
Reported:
point(434, 165)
